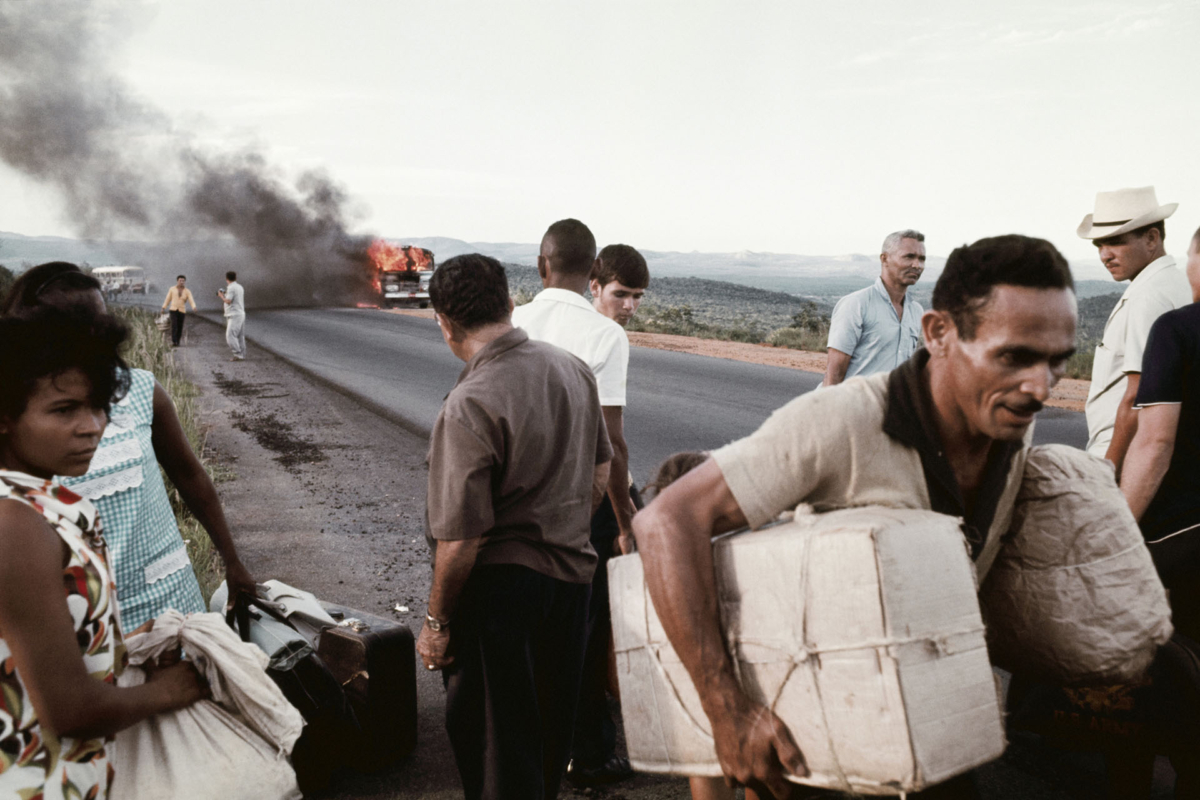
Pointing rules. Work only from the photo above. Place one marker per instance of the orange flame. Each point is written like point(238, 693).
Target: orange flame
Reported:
point(389, 257)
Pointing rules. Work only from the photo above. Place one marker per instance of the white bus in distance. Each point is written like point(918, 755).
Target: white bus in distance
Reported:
point(118, 280)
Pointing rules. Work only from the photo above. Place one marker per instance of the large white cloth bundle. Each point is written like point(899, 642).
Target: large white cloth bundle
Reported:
point(1073, 596)
point(234, 745)
point(859, 628)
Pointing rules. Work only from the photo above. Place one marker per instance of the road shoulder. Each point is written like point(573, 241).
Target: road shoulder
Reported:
point(1069, 394)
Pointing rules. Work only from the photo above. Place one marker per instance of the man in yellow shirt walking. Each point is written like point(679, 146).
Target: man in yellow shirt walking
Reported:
point(178, 296)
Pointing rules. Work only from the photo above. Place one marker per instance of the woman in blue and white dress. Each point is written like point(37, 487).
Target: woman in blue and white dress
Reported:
point(147, 552)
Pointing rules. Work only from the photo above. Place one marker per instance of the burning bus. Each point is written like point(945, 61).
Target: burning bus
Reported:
point(402, 273)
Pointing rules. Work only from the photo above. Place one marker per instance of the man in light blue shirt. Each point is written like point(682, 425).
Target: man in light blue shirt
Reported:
point(878, 328)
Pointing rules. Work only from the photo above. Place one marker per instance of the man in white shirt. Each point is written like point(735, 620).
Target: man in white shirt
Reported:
point(234, 299)
point(560, 315)
point(1128, 230)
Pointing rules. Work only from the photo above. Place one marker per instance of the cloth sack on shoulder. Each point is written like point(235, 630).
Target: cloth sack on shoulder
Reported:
point(234, 745)
point(1073, 597)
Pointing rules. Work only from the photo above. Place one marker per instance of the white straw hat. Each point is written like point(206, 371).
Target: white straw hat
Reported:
point(1122, 211)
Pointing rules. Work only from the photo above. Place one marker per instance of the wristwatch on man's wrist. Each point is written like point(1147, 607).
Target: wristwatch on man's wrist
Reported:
point(435, 624)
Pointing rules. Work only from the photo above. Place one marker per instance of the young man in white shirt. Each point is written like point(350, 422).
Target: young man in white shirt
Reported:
point(560, 315)
point(234, 299)
point(1128, 230)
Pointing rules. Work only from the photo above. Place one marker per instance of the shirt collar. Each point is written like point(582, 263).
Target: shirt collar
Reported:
point(910, 420)
point(1153, 268)
point(909, 416)
point(564, 296)
point(883, 292)
point(492, 349)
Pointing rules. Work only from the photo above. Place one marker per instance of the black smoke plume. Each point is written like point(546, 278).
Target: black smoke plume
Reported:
point(126, 173)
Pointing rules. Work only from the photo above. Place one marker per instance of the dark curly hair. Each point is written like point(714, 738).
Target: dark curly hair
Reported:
point(470, 290)
point(621, 263)
point(23, 296)
point(672, 469)
point(47, 343)
point(973, 270)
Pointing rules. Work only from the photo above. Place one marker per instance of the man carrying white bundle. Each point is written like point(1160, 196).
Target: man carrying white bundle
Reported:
point(947, 431)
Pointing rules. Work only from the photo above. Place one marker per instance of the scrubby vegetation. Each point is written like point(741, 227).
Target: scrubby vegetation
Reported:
point(710, 309)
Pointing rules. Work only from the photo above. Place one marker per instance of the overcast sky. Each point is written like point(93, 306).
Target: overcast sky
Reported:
point(799, 127)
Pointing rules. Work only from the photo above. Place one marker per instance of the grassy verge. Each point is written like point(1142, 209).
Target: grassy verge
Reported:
point(807, 332)
point(1079, 365)
point(148, 349)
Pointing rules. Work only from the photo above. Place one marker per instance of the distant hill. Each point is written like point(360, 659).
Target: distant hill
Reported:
point(18, 252)
point(818, 277)
point(718, 303)
point(823, 278)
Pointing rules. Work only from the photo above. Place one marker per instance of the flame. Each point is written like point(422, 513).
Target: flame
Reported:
point(389, 257)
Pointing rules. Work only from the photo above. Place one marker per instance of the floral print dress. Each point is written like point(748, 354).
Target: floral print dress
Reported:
point(34, 763)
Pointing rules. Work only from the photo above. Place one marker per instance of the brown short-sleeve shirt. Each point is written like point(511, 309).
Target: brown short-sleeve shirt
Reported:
point(512, 455)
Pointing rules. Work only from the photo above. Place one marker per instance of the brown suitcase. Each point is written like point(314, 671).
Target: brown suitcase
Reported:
point(375, 661)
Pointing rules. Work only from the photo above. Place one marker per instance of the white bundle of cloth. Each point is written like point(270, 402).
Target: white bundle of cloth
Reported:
point(235, 745)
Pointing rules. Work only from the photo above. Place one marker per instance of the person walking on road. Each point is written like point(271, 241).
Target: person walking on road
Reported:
point(878, 328)
point(1128, 230)
point(234, 298)
point(947, 431)
point(178, 296)
point(518, 461)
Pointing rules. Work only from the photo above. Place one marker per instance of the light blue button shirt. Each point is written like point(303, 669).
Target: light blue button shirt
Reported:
point(866, 327)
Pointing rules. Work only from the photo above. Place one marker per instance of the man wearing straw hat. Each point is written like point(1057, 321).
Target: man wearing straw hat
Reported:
point(1127, 228)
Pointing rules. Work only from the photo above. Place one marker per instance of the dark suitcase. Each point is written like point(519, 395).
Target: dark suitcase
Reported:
point(375, 661)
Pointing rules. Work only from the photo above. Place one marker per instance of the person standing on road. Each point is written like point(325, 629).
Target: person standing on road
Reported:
point(234, 299)
point(560, 315)
point(878, 328)
point(948, 431)
point(617, 284)
point(1162, 467)
point(178, 296)
point(1128, 230)
point(518, 461)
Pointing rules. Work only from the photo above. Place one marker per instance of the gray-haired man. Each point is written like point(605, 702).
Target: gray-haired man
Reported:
point(878, 328)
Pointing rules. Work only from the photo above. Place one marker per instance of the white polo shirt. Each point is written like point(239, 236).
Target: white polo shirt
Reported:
point(1157, 289)
point(563, 318)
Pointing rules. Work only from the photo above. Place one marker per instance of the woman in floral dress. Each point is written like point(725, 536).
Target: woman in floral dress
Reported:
point(60, 635)
point(147, 555)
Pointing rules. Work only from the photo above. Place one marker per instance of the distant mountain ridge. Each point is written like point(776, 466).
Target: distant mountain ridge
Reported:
point(805, 276)
point(800, 275)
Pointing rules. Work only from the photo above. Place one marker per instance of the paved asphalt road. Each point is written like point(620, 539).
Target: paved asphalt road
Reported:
point(400, 366)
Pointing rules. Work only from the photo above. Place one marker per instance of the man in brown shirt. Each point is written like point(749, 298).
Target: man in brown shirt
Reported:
point(518, 461)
